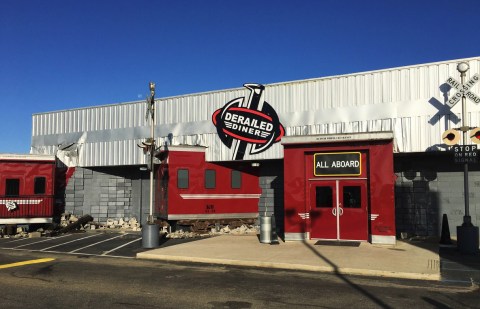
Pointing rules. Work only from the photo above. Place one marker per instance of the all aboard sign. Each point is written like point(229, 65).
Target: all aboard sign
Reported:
point(337, 164)
point(248, 126)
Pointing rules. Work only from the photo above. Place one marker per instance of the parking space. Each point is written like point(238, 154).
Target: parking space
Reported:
point(459, 268)
point(114, 244)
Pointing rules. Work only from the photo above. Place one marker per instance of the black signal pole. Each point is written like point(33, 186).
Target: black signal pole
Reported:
point(467, 233)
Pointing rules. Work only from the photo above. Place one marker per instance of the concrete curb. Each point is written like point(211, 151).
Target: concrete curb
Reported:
point(292, 266)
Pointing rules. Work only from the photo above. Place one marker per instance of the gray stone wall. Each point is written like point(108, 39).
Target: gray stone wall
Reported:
point(107, 193)
point(266, 203)
point(451, 198)
point(271, 200)
point(74, 193)
point(428, 186)
point(416, 205)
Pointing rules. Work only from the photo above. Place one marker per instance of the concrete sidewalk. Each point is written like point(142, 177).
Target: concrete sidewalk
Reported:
point(410, 260)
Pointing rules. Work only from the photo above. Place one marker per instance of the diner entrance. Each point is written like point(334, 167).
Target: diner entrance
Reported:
point(338, 209)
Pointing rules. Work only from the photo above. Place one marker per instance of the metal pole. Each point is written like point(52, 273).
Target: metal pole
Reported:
point(467, 220)
point(150, 231)
point(150, 217)
point(152, 149)
point(467, 234)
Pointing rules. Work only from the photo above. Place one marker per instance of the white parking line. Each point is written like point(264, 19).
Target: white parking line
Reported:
point(107, 252)
point(68, 242)
point(24, 247)
point(37, 242)
point(97, 243)
point(20, 239)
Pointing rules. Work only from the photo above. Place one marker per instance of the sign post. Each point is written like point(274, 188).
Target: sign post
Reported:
point(467, 234)
point(150, 230)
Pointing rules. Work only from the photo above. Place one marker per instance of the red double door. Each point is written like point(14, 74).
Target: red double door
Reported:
point(338, 209)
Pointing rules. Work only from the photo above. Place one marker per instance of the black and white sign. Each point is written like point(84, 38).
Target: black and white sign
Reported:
point(463, 90)
point(337, 164)
point(465, 153)
point(248, 126)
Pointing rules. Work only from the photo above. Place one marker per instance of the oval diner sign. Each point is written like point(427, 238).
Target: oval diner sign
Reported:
point(242, 123)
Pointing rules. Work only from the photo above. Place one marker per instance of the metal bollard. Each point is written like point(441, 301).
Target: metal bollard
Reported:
point(150, 235)
point(265, 229)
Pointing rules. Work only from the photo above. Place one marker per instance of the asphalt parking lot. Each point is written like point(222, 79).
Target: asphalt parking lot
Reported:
point(455, 268)
point(88, 243)
point(112, 244)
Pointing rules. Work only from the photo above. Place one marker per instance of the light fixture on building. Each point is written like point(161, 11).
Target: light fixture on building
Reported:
point(463, 67)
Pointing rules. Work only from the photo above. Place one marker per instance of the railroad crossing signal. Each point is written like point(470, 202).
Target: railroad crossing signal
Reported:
point(475, 135)
point(463, 90)
point(452, 136)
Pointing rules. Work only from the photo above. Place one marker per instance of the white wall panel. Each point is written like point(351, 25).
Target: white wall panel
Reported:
point(396, 99)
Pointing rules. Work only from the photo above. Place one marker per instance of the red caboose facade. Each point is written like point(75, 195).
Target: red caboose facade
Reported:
point(340, 187)
point(189, 188)
point(27, 189)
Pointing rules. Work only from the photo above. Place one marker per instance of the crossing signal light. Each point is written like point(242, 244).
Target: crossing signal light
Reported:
point(451, 137)
point(475, 135)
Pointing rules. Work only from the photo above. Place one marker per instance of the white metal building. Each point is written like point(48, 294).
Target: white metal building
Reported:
point(408, 101)
point(404, 100)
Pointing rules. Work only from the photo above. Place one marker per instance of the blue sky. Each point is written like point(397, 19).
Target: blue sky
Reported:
point(57, 55)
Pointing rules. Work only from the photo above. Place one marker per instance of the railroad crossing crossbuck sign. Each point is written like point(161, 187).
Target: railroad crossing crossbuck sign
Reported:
point(463, 90)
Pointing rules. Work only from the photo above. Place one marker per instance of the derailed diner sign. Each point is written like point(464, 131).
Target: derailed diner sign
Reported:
point(248, 126)
point(337, 164)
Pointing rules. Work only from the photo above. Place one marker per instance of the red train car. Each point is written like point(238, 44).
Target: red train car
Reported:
point(189, 188)
point(27, 189)
point(336, 190)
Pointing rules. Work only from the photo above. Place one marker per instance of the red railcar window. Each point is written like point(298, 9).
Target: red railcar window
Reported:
point(12, 187)
point(182, 179)
point(236, 180)
point(210, 179)
point(39, 185)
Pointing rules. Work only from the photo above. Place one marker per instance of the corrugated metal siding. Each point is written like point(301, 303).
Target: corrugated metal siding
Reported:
point(388, 100)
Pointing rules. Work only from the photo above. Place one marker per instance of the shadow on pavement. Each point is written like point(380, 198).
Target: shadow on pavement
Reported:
point(372, 297)
point(375, 299)
point(455, 267)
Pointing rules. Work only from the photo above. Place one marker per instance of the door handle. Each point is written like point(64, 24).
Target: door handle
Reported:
point(334, 211)
point(340, 211)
